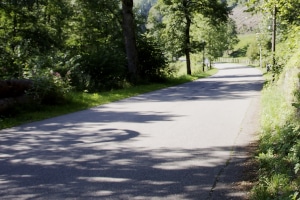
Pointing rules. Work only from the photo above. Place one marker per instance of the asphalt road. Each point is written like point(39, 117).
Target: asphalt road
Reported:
point(183, 142)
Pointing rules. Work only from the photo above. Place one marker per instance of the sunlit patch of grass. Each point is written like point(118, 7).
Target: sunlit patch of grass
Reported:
point(275, 109)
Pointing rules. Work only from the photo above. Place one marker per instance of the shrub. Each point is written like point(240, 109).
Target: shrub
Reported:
point(48, 87)
point(253, 51)
point(101, 70)
point(153, 63)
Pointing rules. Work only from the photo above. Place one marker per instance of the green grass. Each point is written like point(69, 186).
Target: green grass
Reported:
point(77, 101)
point(245, 40)
point(240, 49)
point(278, 154)
point(279, 147)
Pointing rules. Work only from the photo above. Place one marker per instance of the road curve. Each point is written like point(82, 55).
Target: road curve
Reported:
point(174, 143)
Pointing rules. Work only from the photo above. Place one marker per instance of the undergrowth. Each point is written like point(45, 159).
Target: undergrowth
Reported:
point(76, 101)
point(279, 149)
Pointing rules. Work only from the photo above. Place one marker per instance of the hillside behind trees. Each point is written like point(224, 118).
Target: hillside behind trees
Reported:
point(246, 22)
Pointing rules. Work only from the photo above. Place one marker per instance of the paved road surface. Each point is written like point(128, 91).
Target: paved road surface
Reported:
point(175, 143)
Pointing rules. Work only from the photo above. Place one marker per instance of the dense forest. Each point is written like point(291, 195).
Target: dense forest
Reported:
point(99, 45)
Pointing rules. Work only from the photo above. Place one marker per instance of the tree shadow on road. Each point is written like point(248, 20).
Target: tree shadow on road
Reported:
point(60, 158)
point(54, 165)
point(228, 87)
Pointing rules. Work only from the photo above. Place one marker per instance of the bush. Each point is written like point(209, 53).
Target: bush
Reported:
point(253, 51)
point(153, 63)
point(101, 70)
point(48, 87)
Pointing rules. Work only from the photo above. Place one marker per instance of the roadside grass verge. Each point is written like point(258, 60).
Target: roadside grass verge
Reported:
point(279, 146)
point(77, 101)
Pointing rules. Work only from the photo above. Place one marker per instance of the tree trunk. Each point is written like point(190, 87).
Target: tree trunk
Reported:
point(187, 42)
point(130, 39)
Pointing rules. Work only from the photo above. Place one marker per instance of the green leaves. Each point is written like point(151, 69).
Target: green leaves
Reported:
point(29, 29)
point(180, 21)
point(287, 10)
point(49, 87)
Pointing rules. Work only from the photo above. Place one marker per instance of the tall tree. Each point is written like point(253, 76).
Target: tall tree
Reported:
point(96, 39)
point(218, 38)
point(130, 38)
point(179, 15)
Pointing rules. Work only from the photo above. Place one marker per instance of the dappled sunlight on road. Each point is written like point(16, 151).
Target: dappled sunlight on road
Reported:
point(74, 165)
point(225, 85)
point(172, 144)
point(100, 163)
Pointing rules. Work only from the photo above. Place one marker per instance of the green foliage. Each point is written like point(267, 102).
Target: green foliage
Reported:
point(94, 24)
point(241, 48)
point(279, 150)
point(48, 87)
point(100, 70)
point(253, 51)
point(175, 20)
point(83, 38)
point(142, 9)
point(219, 38)
point(153, 63)
point(286, 9)
point(77, 101)
point(29, 29)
